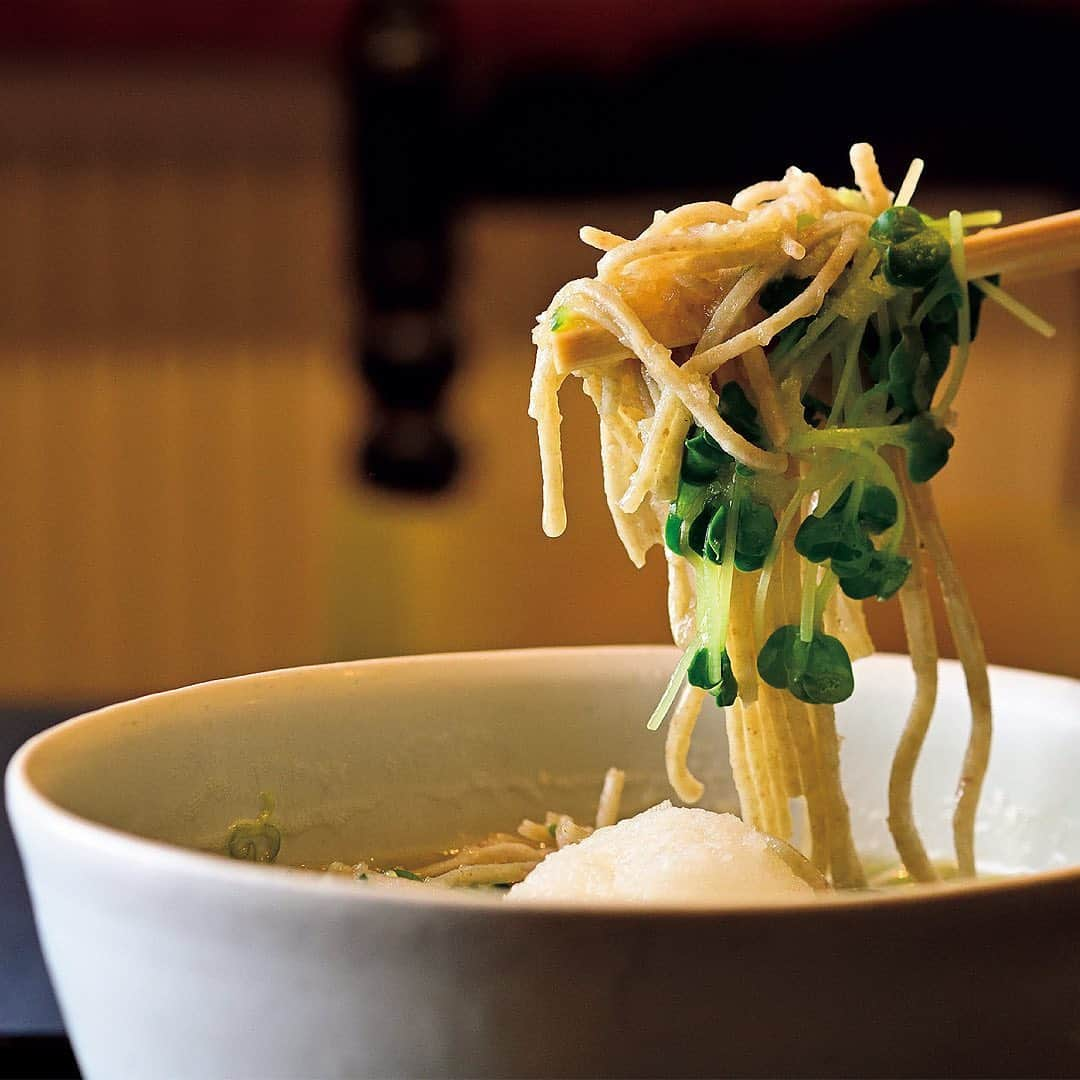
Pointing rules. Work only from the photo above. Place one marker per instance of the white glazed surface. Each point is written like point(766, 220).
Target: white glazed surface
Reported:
point(172, 963)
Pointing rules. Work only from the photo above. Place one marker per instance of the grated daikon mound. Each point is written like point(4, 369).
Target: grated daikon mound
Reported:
point(667, 855)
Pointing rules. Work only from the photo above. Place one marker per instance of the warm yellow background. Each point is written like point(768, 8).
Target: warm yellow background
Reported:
point(177, 415)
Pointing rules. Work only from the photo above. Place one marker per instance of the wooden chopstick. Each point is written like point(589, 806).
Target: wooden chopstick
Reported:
point(1048, 245)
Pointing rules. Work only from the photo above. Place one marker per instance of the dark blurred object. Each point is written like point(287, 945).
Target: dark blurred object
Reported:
point(30, 1057)
point(974, 88)
point(610, 96)
point(401, 152)
point(31, 1039)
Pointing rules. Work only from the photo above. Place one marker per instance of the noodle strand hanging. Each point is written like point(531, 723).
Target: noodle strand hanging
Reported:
point(766, 374)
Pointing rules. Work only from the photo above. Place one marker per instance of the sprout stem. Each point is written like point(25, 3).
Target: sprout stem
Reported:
point(824, 591)
point(809, 596)
point(761, 598)
point(849, 376)
point(1014, 307)
point(673, 685)
point(963, 320)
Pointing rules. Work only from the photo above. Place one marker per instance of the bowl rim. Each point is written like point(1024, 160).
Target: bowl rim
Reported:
point(26, 804)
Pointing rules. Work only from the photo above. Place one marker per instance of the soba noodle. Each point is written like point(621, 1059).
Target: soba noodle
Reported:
point(774, 380)
point(503, 858)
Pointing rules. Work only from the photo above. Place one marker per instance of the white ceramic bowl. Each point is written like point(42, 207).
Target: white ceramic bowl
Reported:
point(172, 963)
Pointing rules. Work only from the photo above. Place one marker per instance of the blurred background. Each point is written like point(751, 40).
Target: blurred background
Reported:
point(270, 275)
point(270, 271)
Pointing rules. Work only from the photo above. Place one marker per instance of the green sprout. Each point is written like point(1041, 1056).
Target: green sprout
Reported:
point(917, 261)
point(740, 415)
point(928, 445)
point(757, 527)
point(817, 671)
point(721, 684)
point(560, 317)
point(697, 518)
point(255, 840)
point(866, 368)
point(401, 872)
point(897, 224)
point(777, 294)
point(880, 576)
point(842, 536)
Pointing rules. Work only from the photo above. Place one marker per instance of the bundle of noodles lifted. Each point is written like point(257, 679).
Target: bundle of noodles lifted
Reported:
point(774, 380)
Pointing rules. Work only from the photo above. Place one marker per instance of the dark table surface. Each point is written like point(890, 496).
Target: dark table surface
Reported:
point(32, 1040)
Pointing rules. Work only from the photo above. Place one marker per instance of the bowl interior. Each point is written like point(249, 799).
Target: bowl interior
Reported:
point(416, 754)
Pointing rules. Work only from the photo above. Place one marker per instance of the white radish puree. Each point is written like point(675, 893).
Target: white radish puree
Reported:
point(666, 855)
